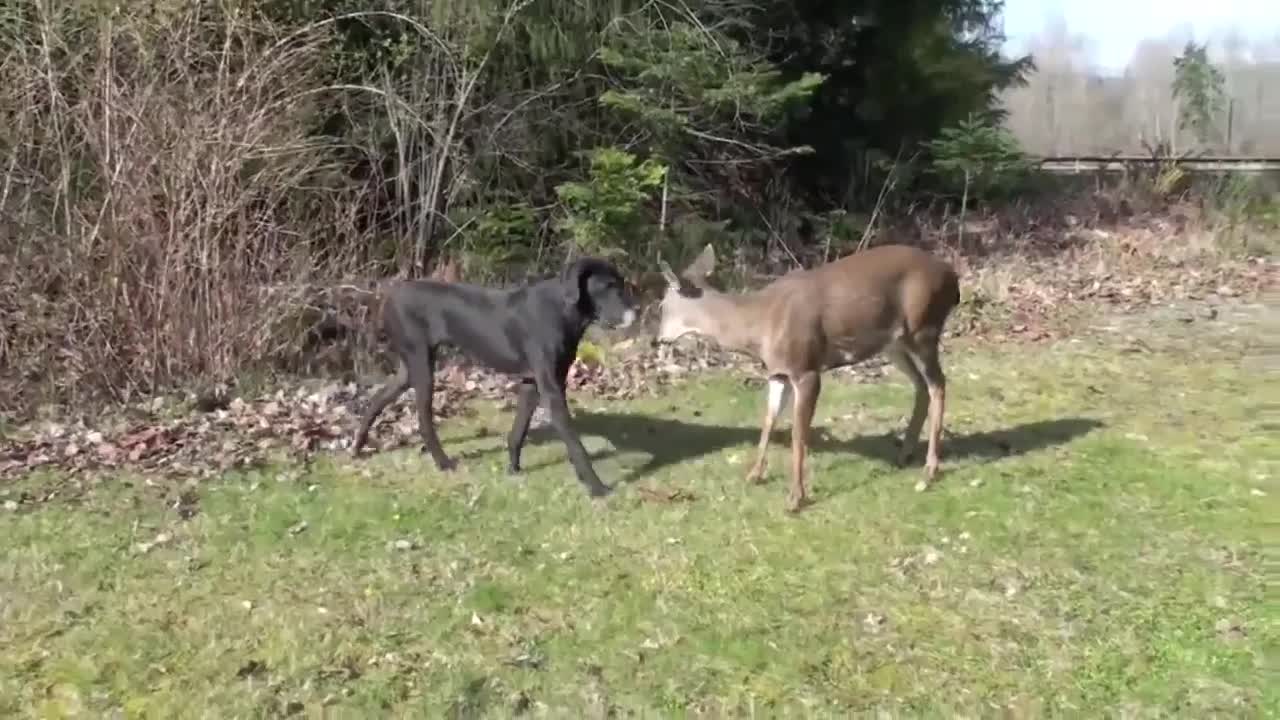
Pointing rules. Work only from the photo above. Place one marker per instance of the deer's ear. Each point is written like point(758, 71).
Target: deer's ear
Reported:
point(702, 266)
point(668, 274)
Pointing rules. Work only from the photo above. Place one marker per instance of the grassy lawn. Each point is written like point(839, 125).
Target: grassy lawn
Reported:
point(1097, 545)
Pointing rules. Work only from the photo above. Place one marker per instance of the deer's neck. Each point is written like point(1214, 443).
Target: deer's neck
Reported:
point(732, 321)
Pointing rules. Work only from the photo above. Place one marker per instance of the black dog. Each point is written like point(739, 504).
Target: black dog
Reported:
point(531, 331)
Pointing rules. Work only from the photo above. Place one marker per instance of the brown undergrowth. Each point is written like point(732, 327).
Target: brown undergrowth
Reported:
point(172, 220)
point(1014, 289)
point(1022, 279)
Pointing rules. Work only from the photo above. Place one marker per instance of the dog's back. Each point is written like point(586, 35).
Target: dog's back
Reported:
point(488, 324)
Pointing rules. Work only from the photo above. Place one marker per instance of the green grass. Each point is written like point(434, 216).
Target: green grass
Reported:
point(1097, 546)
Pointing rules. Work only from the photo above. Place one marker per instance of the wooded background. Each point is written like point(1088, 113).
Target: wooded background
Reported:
point(179, 177)
point(1068, 107)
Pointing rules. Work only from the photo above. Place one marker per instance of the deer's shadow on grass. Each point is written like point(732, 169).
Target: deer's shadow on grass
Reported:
point(668, 441)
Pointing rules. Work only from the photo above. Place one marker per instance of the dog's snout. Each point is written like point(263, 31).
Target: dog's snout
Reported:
point(628, 318)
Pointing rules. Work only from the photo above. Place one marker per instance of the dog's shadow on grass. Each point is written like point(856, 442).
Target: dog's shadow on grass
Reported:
point(668, 441)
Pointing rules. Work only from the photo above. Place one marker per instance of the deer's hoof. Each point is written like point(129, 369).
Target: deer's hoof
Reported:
point(796, 503)
point(931, 468)
point(930, 474)
point(755, 477)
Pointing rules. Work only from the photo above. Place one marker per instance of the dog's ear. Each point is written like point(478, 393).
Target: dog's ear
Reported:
point(572, 280)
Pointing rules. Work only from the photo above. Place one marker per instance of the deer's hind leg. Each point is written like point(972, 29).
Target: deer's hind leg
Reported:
point(924, 353)
point(902, 360)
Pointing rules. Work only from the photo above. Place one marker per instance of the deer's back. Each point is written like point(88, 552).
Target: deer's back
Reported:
point(924, 287)
point(850, 308)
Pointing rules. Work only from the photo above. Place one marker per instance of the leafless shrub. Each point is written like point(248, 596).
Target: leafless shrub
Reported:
point(157, 177)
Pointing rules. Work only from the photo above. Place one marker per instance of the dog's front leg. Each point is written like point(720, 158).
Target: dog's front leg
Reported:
point(553, 395)
point(525, 405)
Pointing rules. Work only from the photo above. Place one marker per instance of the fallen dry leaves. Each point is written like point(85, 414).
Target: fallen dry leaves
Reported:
point(205, 440)
point(1036, 299)
point(202, 441)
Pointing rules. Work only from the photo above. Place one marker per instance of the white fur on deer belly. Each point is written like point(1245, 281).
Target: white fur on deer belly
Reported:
point(855, 350)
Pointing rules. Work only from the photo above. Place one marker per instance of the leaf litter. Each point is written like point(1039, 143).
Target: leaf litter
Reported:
point(308, 419)
point(301, 422)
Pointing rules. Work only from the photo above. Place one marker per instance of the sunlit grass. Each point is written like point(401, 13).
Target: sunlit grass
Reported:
point(1095, 546)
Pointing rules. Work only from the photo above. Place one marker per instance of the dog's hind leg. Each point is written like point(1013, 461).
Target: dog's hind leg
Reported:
point(422, 376)
point(385, 395)
point(525, 405)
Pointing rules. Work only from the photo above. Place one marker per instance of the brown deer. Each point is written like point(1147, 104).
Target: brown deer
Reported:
point(891, 299)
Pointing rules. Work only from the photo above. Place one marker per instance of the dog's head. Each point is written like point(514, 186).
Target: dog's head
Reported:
point(597, 290)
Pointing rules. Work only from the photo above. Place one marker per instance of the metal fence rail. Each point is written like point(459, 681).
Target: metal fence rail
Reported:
point(1123, 163)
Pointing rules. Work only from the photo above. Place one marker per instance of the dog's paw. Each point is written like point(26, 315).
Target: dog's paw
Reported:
point(514, 469)
point(447, 465)
point(599, 491)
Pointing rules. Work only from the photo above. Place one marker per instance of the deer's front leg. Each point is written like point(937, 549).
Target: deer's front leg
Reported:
point(779, 393)
point(806, 388)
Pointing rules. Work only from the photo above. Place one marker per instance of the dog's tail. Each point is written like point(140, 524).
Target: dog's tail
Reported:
point(363, 304)
point(372, 295)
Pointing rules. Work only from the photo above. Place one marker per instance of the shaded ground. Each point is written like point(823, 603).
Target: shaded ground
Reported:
point(1097, 546)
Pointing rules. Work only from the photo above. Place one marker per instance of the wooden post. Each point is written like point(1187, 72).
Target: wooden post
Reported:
point(1231, 116)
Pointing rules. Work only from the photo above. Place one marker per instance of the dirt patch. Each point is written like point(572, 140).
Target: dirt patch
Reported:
point(1250, 330)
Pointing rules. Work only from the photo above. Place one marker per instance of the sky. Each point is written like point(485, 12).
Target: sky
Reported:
point(1115, 27)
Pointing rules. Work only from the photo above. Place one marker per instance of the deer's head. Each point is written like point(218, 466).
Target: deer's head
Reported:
point(683, 309)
